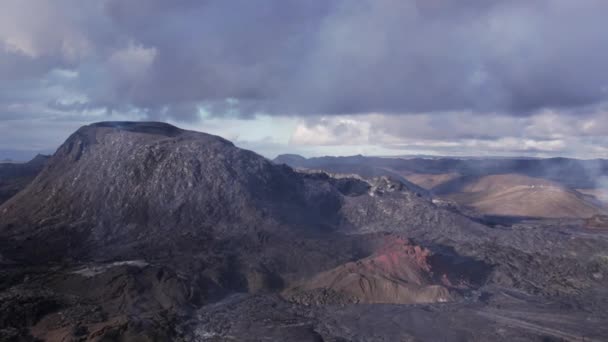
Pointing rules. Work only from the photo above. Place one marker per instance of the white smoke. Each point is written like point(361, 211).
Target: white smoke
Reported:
point(601, 185)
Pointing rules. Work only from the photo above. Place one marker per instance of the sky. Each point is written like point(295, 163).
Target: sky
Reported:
point(318, 77)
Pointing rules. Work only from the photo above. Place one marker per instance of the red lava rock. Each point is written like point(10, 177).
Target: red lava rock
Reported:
point(398, 272)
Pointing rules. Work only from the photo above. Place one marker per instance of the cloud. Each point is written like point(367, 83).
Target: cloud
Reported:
point(334, 57)
point(544, 134)
point(515, 69)
point(133, 61)
point(331, 131)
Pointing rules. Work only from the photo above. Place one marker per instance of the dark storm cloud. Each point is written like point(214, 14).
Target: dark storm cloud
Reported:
point(209, 51)
point(168, 59)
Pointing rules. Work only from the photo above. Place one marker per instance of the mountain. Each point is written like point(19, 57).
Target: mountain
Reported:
point(518, 195)
point(144, 231)
point(116, 188)
point(123, 186)
point(126, 199)
point(506, 187)
point(16, 176)
point(573, 173)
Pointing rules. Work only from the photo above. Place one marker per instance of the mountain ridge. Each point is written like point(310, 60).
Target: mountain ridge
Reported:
point(111, 181)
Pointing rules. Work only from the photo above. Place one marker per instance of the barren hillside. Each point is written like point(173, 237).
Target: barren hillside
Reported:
point(519, 195)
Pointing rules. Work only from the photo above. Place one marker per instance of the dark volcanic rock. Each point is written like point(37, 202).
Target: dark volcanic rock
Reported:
point(113, 189)
point(120, 186)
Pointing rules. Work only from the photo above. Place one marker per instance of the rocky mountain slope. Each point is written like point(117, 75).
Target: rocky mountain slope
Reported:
point(146, 231)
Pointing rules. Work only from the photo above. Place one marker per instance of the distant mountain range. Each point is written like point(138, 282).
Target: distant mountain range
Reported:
point(521, 187)
point(576, 173)
point(16, 176)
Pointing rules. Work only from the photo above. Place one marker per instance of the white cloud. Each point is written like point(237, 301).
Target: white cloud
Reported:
point(473, 77)
point(331, 131)
point(545, 134)
point(132, 61)
point(43, 28)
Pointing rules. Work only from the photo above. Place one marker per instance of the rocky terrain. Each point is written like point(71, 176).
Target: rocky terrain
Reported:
point(144, 231)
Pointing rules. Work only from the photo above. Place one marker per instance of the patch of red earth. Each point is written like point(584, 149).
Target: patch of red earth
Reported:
point(394, 252)
point(395, 248)
point(397, 272)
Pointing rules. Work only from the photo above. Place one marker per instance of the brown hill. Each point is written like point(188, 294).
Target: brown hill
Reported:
point(398, 272)
point(601, 194)
point(519, 195)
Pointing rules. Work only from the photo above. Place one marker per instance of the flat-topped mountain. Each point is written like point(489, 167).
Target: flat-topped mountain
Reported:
point(114, 187)
point(121, 184)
